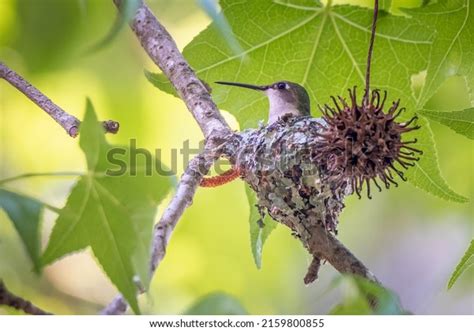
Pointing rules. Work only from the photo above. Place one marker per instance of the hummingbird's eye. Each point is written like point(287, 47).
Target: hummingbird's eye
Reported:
point(281, 86)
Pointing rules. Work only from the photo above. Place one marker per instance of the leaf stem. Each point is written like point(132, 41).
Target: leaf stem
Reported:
point(50, 207)
point(45, 204)
point(369, 55)
point(39, 174)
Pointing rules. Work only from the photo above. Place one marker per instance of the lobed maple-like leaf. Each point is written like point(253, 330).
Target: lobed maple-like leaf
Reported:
point(110, 212)
point(452, 53)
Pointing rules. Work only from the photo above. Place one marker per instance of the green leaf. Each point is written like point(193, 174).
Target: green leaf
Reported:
point(260, 228)
point(461, 122)
point(211, 8)
point(385, 5)
point(353, 306)
point(453, 49)
point(426, 174)
point(216, 304)
point(128, 10)
point(466, 262)
point(110, 211)
point(356, 301)
point(324, 49)
point(25, 213)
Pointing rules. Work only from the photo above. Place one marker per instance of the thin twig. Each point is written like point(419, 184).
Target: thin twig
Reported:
point(69, 122)
point(11, 300)
point(369, 55)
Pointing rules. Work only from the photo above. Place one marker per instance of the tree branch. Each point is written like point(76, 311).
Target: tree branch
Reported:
point(69, 122)
point(324, 245)
point(162, 49)
point(9, 299)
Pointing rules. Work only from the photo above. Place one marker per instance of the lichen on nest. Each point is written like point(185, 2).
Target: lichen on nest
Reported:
point(301, 168)
point(279, 162)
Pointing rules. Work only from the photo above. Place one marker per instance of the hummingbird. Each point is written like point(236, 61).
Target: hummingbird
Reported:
point(285, 98)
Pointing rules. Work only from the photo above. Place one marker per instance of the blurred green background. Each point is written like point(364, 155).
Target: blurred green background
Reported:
point(411, 240)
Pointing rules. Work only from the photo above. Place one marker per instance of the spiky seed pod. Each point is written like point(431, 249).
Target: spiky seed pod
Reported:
point(301, 168)
point(362, 143)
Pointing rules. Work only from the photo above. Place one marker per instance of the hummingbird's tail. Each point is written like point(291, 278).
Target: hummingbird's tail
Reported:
point(221, 179)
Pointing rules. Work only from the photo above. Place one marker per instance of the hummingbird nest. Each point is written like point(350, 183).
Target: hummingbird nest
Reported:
point(301, 168)
point(279, 162)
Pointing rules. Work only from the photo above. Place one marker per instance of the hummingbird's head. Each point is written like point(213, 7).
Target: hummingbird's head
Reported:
point(285, 98)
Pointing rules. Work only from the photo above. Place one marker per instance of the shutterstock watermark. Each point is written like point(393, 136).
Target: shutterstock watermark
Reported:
point(133, 160)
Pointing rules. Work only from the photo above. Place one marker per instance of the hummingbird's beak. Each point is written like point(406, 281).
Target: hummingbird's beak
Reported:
point(249, 86)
